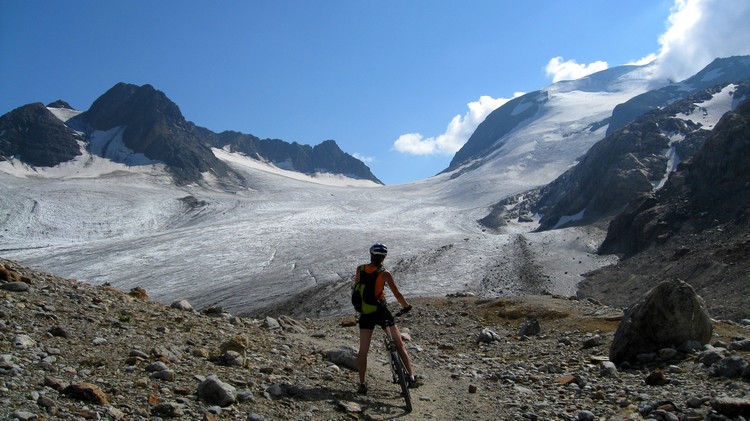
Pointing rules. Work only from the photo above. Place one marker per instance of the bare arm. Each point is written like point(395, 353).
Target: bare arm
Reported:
point(394, 289)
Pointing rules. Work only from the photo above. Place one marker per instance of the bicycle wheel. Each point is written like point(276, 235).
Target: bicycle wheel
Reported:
point(402, 375)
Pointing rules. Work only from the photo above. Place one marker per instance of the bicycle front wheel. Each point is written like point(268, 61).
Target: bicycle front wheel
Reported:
point(400, 369)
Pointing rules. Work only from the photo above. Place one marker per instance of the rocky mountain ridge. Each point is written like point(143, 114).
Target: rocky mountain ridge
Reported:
point(155, 127)
point(71, 350)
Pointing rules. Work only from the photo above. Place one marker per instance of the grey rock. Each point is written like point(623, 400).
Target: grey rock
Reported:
point(166, 352)
point(669, 314)
point(529, 328)
point(232, 359)
point(593, 341)
point(291, 325)
point(732, 407)
point(271, 324)
point(23, 342)
point(743, 345)
point(168, 409)
point(586, 416)
point(24, 416)
point(59, 331)
point(183, 305)
point(349, 406)
point(166, 375)
point(730, 367)
point(15, 286)
point(488, 336)
point(138, 353)
point(710, 356)
point(157, 366)
point(608, 369)
point(691, 346)
point(45, 402)
point(344, 356)
point(667, 354)
point(245, 395)
point(215, 392)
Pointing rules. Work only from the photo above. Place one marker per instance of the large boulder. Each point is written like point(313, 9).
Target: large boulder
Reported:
point(667, 316)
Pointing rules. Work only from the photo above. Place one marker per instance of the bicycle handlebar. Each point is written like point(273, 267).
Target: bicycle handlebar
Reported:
point(403, 311)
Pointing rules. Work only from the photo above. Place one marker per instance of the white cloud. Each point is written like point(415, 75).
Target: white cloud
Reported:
point(458, 132)
point(570, 70)
point(365, 159)
point(700, 31)
point(645, 60)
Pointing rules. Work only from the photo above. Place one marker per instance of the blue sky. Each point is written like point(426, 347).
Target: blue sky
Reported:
point(398, 83)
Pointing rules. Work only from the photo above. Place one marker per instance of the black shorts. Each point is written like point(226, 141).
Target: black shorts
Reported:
point(382, 317)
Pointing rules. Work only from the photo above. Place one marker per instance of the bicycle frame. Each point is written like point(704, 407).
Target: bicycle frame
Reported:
point(398, 368)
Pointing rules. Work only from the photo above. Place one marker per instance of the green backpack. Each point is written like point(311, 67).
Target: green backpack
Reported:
point(363, 294)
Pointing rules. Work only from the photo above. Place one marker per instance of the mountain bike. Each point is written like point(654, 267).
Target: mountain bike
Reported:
point(398, 368)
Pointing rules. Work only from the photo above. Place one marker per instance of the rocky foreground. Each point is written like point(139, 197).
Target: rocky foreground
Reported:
point(74, 351)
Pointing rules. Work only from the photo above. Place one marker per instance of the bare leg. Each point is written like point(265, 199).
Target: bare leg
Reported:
point(401, 348)
point(365, 336)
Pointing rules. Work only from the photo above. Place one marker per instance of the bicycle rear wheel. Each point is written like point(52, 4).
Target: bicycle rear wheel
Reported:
point(400, 369)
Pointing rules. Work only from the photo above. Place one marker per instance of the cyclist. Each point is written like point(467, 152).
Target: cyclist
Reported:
point(382, 316)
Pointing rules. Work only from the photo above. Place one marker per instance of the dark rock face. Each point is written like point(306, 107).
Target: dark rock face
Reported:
point(326, 157)
point(713, 188)
point(35, 136)
point(155, 127)
point(60, 104)
point(696, 228)
point(618, 169)
point(668, 316)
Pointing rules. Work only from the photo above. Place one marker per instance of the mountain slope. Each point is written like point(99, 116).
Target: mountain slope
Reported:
point(139, 126)
point(720, 71)
point(636, 159)
point(154, 126)
point(34, 135)
point(697, 228)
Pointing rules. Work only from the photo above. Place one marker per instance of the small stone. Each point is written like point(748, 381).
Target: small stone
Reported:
point(15, 287)
point(23, 342)
point(667, 354)
point(86, 392)
point(593, 341)
point(530, 328)
point(54, 383)
point(45, 402)
point(730, 367)
point(59, 331)
point(656, 378)
point(157, 366)
point(23, 416)
point(138, 354)
point(350, 406)
point(586, 416)
point(271, 324)
point(743, 345)
point(167, 409)
point(245, 396)
point(215, 392)
point(488, 336)
point(472, 388)
point(166, 375)
point(183, 305)
point(608, 369)
point(200, 353)
point(732, 407)
point(344, 356)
